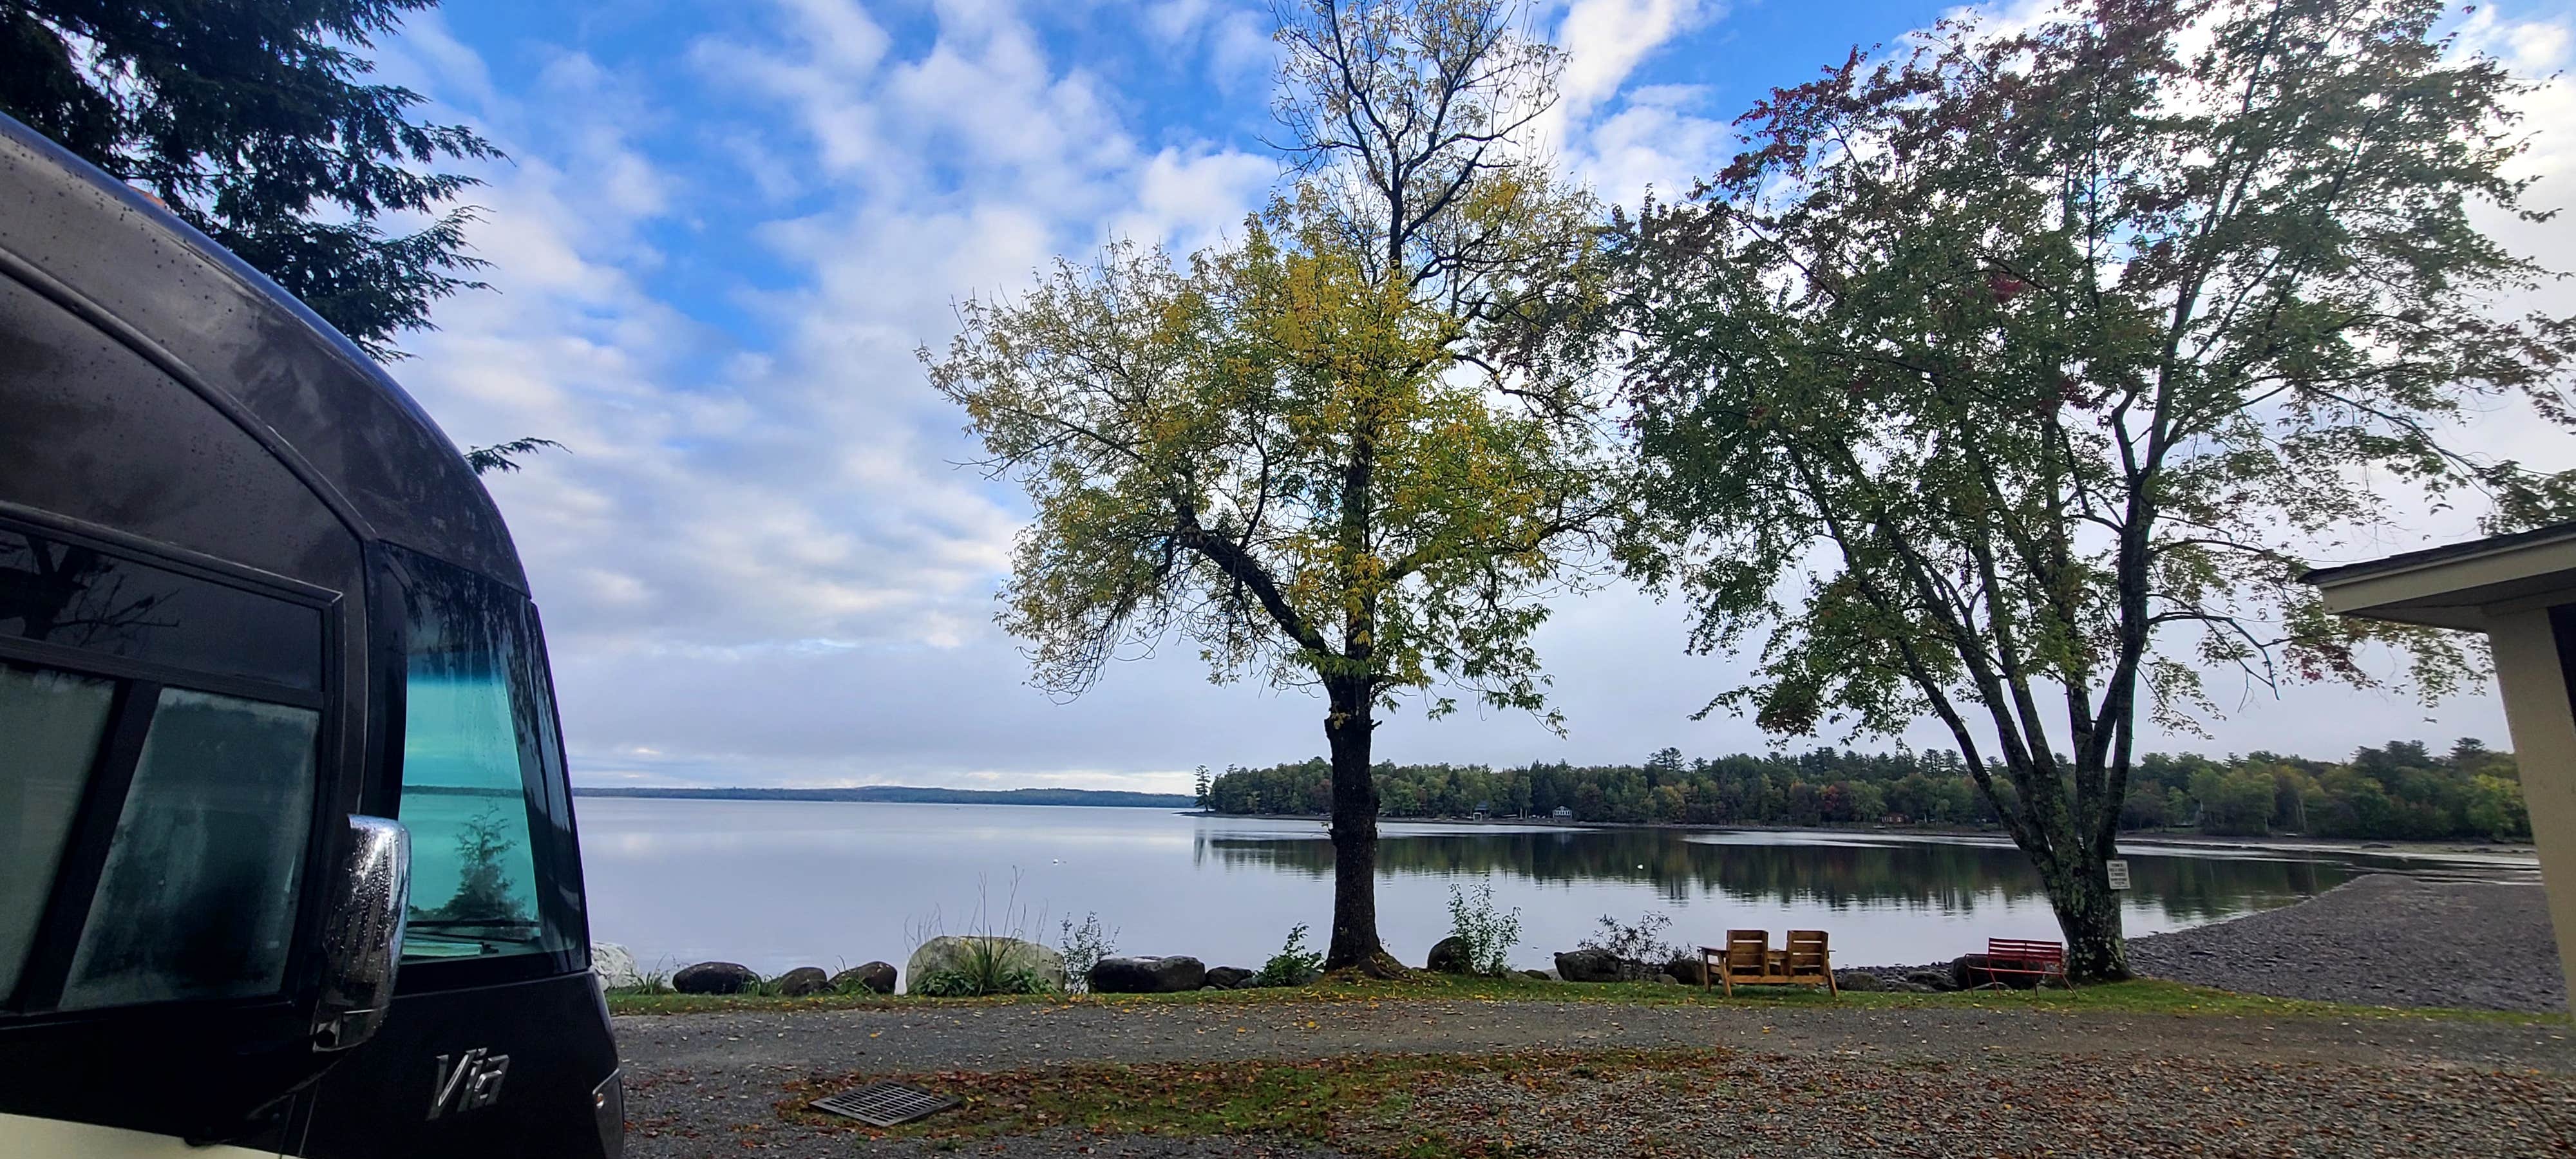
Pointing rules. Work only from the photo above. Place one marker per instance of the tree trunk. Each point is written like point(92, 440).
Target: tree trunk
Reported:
point(2089, 913)
point(1355, 942)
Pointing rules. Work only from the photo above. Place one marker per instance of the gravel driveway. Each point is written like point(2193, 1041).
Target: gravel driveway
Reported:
point(698, 1081)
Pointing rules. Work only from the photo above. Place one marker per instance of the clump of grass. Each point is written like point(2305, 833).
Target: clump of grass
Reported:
point(990, 966)
point(993, 963)
point(647, 982)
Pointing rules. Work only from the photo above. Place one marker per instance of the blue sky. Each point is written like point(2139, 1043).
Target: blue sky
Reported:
point(725, 227)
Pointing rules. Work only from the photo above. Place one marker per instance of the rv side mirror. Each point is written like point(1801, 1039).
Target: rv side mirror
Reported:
point(362, 933)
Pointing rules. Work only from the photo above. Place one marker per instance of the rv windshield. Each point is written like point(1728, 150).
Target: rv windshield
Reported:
point(477, 758)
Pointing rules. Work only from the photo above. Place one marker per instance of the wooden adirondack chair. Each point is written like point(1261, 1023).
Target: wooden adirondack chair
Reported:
point(1745, 958)
point(1809, 962)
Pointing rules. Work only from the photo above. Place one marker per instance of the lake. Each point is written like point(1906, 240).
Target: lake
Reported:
point(775, 884)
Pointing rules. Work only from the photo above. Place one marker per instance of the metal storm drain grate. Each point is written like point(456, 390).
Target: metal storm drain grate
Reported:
point(884, 1104)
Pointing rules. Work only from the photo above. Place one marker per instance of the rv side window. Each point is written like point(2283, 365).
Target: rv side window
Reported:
point(158, 753)
point(53, 722)
point(474, 767)
point(198, 896)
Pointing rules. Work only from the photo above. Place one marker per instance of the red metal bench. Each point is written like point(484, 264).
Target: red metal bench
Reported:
point(2018, 956)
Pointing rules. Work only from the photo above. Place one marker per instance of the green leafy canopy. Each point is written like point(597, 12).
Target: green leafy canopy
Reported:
point(1325, 452)
point(253, 121)
point(2008, 374)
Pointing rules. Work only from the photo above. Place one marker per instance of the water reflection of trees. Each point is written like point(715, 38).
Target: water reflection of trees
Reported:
point(1925, 875)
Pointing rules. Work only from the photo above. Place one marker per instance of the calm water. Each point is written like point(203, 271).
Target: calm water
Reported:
point(780, 884)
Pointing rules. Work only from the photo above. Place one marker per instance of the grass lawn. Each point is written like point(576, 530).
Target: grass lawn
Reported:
point(1359, 1100)
point(2144, 996)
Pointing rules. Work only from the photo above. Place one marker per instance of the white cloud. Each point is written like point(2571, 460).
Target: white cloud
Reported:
point(1605, 40)
point(1617, 138)
point(1656, 140)
point(1190, 201)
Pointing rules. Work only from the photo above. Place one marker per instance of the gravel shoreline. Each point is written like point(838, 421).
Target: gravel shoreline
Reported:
point(2382, 940)
point(1844, 1080)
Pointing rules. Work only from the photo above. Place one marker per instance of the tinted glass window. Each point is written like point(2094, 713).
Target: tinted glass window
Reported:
point(475, 733)
point(50, 727)
point(198, 896)
point(66, 594)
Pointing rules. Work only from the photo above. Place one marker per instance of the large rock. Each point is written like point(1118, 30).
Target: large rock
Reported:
point(1688, 968)
point(1932, 980)
point(875, 976)
point(1970, 971)
point(714, 978)
point(614, 966)
point(945, 954)
point(1449, 956)
point(1591, 966)
point(802, 982)
point(1228, 977)
point(1538, 975)
point(1167, 975)
point(1861, 980)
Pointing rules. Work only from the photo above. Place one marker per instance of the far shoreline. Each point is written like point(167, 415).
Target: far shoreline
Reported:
point(2513, 852)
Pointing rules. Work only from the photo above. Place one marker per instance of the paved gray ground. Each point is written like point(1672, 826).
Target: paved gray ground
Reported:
point(696, 1078)
point(2380, 940)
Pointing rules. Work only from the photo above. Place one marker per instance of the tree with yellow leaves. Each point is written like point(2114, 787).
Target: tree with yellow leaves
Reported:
point(1340, 453)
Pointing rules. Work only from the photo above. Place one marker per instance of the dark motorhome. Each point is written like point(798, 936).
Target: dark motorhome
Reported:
point(287, 860)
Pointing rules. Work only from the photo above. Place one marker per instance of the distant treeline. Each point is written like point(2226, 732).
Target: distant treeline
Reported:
point(908, 795)
point(2398, 791)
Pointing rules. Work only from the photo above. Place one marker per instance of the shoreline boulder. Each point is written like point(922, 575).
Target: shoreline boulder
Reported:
point(876, 977)
point(1588, 965)
point(802, 982)
point(1229, 977)
point(1449, 956)
point(1689, 969)
point(1932, 980)
point(1147, 975)
point(614, 965)
point(948, 954)
point(714, 978)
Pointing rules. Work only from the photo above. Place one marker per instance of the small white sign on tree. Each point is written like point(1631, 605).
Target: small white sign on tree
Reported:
point(2118, 868)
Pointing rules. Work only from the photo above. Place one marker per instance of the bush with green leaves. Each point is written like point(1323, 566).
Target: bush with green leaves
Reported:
point(1295, 964)
point(1083, 946)
point(1489, 935)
